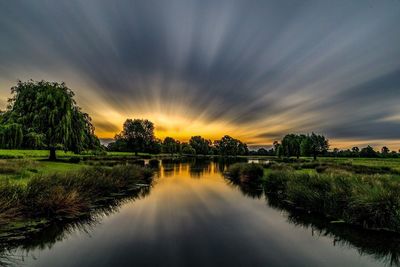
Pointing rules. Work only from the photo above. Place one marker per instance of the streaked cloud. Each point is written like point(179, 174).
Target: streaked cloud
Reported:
point(251, 69)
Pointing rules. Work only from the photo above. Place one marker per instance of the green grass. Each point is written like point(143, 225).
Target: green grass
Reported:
point(245, 172)
point(19, 166)
point(364, 195)
point(370, 201)
point(57, 167)
point(20, 171)
point(393, 163)
point(68, 194)
point(20, 153)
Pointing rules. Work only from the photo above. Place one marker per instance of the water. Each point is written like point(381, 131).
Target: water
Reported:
point(192, 216)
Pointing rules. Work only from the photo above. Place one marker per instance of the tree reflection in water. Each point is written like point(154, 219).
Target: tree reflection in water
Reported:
point(381, 245)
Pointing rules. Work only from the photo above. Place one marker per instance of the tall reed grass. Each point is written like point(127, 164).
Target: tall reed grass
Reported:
point(245, 172)
point(67, 195)
point(371, 201)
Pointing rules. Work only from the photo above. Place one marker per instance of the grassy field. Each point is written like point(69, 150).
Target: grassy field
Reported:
point(19, 153)
point(393, 163)
point(19, 166)
point(21, 170)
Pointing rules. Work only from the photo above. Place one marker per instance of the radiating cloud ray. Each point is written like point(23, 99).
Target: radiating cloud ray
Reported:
point(252, 69)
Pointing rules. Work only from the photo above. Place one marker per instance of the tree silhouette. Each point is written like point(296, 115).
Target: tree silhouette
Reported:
point(200, 145)
point(138, 135)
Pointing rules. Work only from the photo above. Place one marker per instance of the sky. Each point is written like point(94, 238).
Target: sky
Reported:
point(254, 70)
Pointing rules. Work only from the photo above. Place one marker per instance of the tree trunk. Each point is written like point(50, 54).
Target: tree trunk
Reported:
point(315, 156)
point(136, 153)
point(52, 156)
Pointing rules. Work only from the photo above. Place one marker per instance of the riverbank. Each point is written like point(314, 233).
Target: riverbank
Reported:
point(64, 196)
point(339, 193)
point(315, 186)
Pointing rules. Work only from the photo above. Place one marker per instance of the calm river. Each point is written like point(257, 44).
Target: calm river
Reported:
point(193, 216)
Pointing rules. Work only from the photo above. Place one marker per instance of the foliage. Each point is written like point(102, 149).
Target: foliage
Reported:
point(170, 146)
point(245, 172)
point(201, 145)
point(137, 135)
point(385, 151)
point(74, 159)
point(11, 135)
point(154, 147)
point(119, 145)
point(229, 146)
point(34, 140)
point(314, 145)
point(291, 144)
point(262, 152)
point(368, 152)
point(188, 149)
point(48, 117)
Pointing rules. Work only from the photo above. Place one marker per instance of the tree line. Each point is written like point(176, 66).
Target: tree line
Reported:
point(296, 145)
point(137, 136)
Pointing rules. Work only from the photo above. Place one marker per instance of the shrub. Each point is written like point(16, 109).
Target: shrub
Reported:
point(234, 170)
point(281, 167)
point(246, 172)
point(276, 182)
point(74, 159)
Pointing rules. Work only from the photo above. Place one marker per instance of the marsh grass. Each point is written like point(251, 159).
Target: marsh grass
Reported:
point(382, 245)
point(9, 202)
point(337, 166)
point(12, 167)
point(370, 201)
point(245, 172)
point(67, 195)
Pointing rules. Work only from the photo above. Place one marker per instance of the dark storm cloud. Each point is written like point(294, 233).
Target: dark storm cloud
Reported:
point(328, 66)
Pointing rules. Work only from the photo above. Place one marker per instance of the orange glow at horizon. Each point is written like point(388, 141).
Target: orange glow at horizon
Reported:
point(181, 128)
point(178, 127)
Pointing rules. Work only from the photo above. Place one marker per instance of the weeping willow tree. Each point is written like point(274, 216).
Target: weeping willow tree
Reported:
point(11, 135)
point(49, 117)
